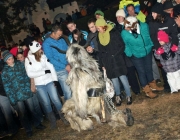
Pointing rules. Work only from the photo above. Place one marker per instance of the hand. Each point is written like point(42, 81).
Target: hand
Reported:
point(177, 20)
point(68, 68)
point(174, 48)
point(89, 49)
point(47, 71)
point(160, 51)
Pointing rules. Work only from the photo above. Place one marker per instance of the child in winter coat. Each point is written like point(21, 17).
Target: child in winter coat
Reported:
point(17, 88)
point(170, 60)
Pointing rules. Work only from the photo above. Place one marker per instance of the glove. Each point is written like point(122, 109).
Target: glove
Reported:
point(174, 48)
point(47, 71)
point(171, 53)
point(160, 51)
point(165, 56)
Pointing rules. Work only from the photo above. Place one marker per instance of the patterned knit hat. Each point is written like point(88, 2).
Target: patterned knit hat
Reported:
point(34, 46)
point(6, 55)
point(163, 36)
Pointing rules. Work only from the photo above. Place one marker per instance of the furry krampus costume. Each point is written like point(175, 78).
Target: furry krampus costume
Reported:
point(86, 79)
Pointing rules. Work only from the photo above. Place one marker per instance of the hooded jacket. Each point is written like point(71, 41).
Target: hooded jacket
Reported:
point(16, 83)
point(37, 69)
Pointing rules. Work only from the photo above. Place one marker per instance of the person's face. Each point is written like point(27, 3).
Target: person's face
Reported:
point(71, 27)
point(154, 15)
point(24, 47)
point(177, 1)
point(120, 19)
point(161, 42)
point(92, 27)
point(75, 37)
point(170, 10)
point(100, 29)
point(20, 57)
point(131, 11)
point(57, 35)
point(10, 61)
point(97, 16)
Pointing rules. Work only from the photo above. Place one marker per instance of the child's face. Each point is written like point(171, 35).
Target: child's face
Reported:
point(162, 42)
point(20, 57)
point(10, 61)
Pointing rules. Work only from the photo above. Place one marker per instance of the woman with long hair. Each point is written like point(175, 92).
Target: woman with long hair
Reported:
point(38, 67)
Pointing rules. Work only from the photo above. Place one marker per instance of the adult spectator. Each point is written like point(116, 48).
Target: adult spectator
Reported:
point(131, 71)
point(44, 24)
point(71, 27)
point(78, 14)
point(111, 48)
point(17, 88)
point(138, 46)
point(168, 8)
point(74, 16)
point(50, 46)
point(68, 17)
point(38, 67)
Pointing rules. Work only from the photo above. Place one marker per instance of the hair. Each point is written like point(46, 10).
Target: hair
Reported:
point(55, 28)
point(105, 27)
point(70, 22)
point(91, 20)
point(37, 56)
point(159, 18)
point(80, 35)
point(129, 5)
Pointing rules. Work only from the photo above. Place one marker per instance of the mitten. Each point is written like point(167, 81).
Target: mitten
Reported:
point(174, 48)
point(47, 71)
point(171, 53)
point(165, 56)
point(160, 51)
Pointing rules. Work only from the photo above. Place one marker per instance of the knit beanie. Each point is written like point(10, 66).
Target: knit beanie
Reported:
point(34, 46)
point(100, 22)
point(99, 12)
point(167, 5)
point(6, 54)
point(121, 13)
point(163, 36)
point(157, 8)
point(14, 51)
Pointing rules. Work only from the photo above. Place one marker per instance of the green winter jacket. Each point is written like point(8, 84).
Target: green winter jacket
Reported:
point(140, 46)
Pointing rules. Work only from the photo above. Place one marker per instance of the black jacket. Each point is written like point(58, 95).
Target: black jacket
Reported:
point(111, 55)
point(169, 26)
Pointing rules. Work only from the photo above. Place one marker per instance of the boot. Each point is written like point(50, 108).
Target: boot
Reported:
point(149, 92)
point(63, 118)
point(52, 119)
point(154, 86)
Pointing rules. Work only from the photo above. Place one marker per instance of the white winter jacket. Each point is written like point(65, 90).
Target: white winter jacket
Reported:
point(37, 69)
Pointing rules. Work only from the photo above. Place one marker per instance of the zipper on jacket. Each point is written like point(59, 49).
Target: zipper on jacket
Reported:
point(143, 43)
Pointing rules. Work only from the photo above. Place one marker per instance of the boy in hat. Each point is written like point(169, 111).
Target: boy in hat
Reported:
point(17, 88)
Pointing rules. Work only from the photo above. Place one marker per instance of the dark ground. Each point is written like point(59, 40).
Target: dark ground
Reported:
point(155, 119)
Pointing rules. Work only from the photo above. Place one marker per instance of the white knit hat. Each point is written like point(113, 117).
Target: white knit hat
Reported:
point(121, 13)
point(34, 46)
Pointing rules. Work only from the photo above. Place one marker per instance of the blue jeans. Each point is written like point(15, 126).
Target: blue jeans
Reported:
point(6, 110)
point(47, 92)
point(143, 66)
point(62, 76)
point(125, 83)
point(20, 108)
point(37, 107)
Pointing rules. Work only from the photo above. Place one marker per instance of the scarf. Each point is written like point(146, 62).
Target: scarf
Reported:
point(104, 38)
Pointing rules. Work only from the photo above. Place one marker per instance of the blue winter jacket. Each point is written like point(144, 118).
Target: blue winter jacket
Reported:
point(140, 46)
point(16, 83)
point(57, 59)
